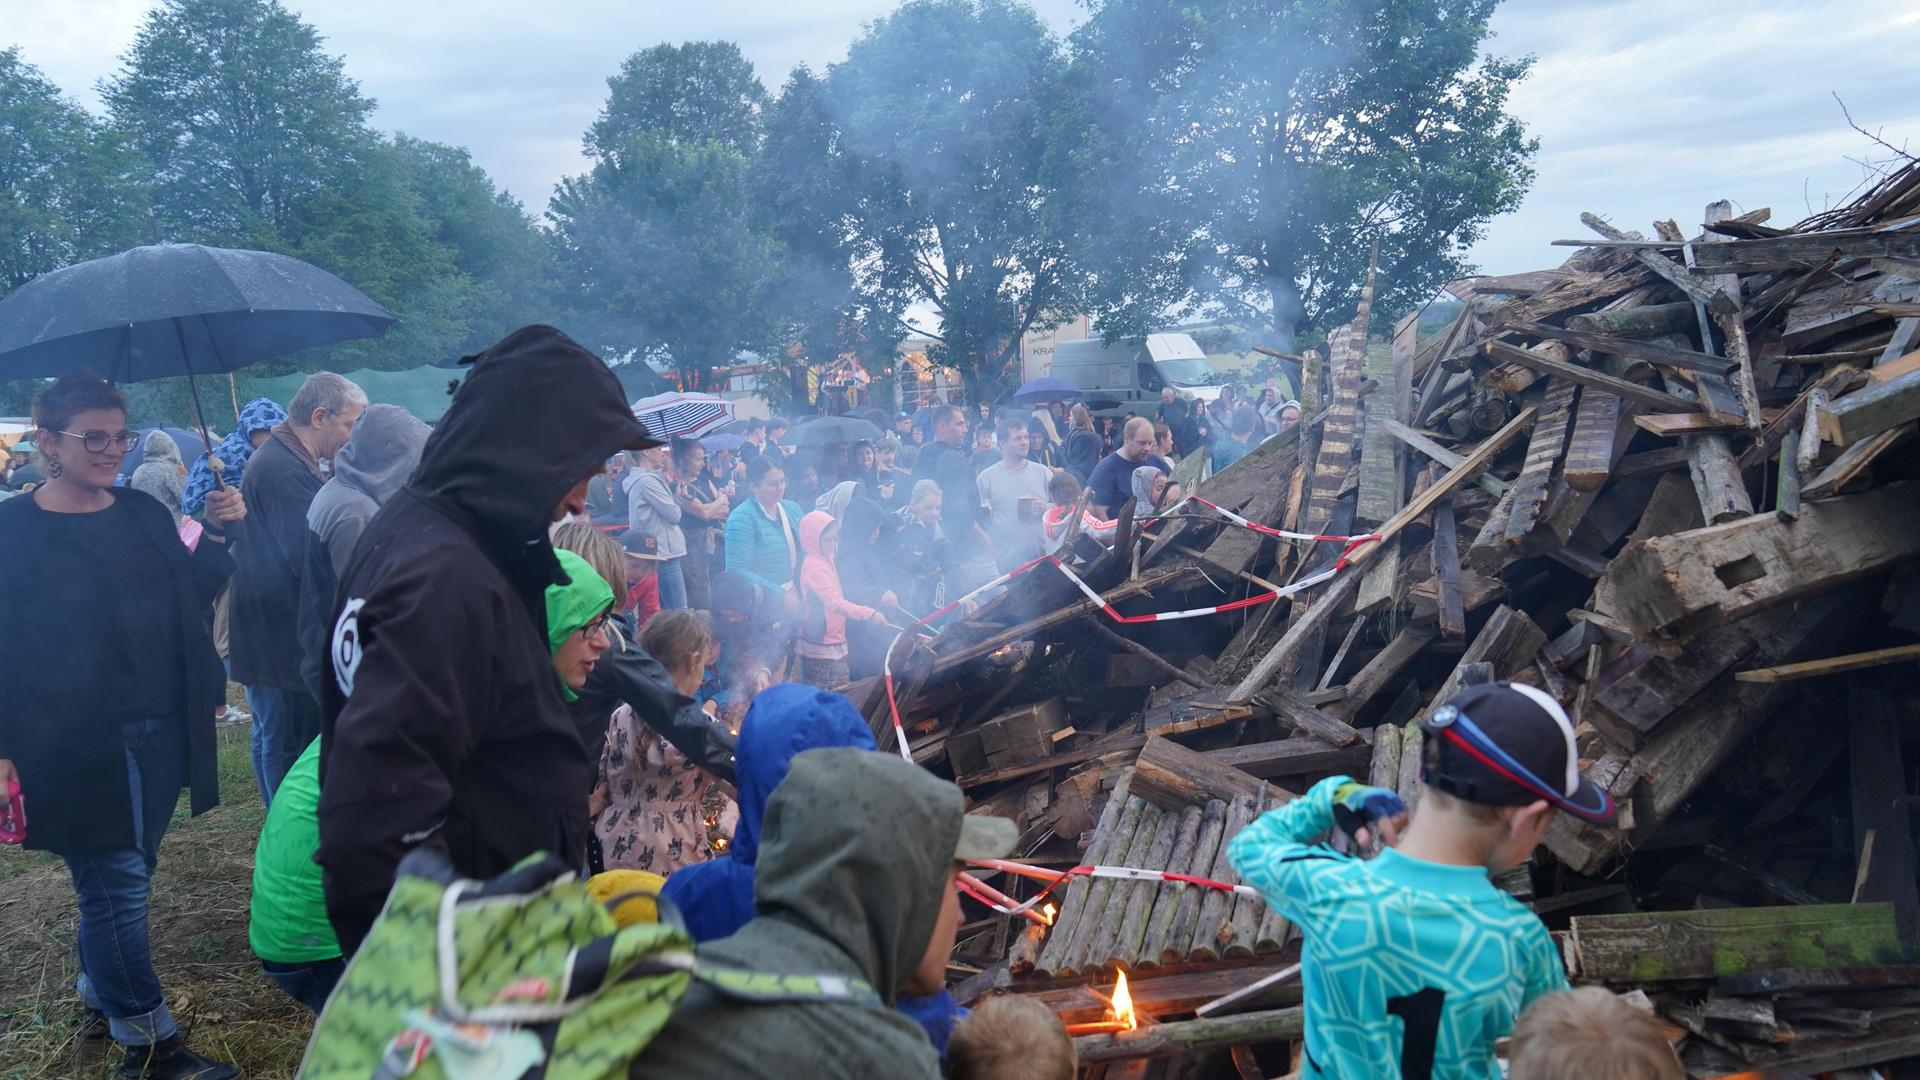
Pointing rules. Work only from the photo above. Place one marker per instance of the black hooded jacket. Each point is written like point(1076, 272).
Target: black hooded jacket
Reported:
point(441, 715)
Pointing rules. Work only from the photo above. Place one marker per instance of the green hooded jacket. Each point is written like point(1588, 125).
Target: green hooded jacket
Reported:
point(854, 854)
point(585, 597)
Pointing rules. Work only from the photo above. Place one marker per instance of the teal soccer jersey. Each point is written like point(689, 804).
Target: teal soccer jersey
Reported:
point(1410, 968)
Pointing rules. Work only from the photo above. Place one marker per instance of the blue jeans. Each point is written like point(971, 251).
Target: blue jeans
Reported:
point(673, 585)
point(309, 984)
point(116, 965)
point(284, 722)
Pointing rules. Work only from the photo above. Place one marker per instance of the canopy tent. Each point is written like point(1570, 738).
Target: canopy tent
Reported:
point(422, 391)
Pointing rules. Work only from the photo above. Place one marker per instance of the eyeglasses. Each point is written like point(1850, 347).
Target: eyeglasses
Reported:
point(597, 628)
point(98, 441)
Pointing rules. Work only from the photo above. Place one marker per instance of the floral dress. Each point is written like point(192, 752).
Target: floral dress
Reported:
point(662, 811)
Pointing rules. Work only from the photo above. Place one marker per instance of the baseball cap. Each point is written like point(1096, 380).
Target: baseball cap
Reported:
point(984, 837)
point(1508, 744)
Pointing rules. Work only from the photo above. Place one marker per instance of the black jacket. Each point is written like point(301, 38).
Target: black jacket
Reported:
point(269, 558)
point(56, 711)
point(627, 674)
point(1083, 452)
point(441, 717)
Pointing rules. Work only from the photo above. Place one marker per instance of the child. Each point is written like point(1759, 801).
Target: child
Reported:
point(1063, 494)
point(1592, 1035)
point(1011, 1038)
point(824, 608)
point(1419, 935)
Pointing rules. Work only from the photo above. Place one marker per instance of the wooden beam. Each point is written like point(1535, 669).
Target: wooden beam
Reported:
point(1377, 672)
point(1832, 665)
point(1639, 691)
point(1852, 463)
point(1676, 275)
point(1173, 777)
point(1864, 413)
point(1420, 441)
point(1651, 352)
point(1452, 611)
point(1347, 583)
point(1508, 641)
point(1297, 756)
point(1672, 945)
point(1294, 710)
point(1627, 391)
point(1722, 573)
point(1544, 447)
point(1188, 1036)
point(1798, 250)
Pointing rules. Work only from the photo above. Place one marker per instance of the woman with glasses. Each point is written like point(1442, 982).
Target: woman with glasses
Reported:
point(108, 685)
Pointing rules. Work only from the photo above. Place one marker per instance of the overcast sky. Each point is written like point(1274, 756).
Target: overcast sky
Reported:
point(1643, 108)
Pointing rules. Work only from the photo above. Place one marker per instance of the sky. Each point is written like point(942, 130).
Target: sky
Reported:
point(1644, 108)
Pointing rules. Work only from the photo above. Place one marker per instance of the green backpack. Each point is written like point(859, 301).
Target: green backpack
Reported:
point(525, 976)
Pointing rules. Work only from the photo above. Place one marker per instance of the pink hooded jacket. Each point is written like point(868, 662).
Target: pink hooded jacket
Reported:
point(820, 594)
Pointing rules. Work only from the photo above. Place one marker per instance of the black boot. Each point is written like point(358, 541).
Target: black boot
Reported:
point(169, 1059)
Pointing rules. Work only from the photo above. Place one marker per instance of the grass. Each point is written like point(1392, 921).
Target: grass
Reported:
point(226, 1008)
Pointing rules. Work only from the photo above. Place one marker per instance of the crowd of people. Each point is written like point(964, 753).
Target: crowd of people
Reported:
point(537, 628)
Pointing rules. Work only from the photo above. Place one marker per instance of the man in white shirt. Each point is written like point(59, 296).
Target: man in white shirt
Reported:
point(1014, 491)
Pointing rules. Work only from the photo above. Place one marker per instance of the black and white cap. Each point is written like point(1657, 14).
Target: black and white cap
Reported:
point(1508, 744)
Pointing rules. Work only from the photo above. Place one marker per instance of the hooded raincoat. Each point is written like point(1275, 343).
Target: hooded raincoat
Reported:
point(442, 718)
point(260, 414)
point(375, 463)
point(852, 864)
point(161, 473)
point(825, 609)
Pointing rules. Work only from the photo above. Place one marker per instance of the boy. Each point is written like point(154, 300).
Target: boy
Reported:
point(1414, 963)
point(1011, 1038)
point(1590, 1034)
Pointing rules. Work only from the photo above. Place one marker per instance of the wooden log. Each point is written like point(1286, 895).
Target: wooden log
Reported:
point(1164, 993)
point(1179, 936)
point(1073, 900)
point(1639, 691)
point(1644, 321)
point(1412, 749)
point(1249, 910)
point(1186, 1036)
point(1652, 352)
point(1716, 479)
point(1086, 929)
point(1868, 412)
point(1657, 400)
point(1271, 937)
point(1216, 907)
point(1291, 757)
point(1173, 777)
point(1165, 900)
point(1831, 665)
point(1377, 672)
point(1128, 921)
point(1672, 945)
point(1678, 584)
point(1882, 817)
point(1293, 709)
point(1424, 443)
point(1384, 769)
point(1344, 586)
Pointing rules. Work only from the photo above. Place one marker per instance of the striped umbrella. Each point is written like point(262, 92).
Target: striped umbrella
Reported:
point(674, 415)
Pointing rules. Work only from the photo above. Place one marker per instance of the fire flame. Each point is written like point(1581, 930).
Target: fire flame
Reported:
point(1123, 1004)
point(1047, 913)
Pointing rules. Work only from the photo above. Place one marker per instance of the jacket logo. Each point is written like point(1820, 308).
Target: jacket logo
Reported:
point(345, 650)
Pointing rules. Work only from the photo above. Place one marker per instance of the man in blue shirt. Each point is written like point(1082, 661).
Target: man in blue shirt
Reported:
point(1112, 479)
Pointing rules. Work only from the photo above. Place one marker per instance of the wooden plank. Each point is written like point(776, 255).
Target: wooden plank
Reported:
point(1544, 446)
point(1799, 250)
point(1672, 945)
point(1651, 352)
point(1864, 413)
point(1720, 573)
point(1674, 425)
point(1852, 463)
point(1379, 467)
point(1344, 586)
point(1639, 691)
point(1591, 443)
point(1171, 776)
point(1295, 710)
point(1832, 665)
point(1377, 672)
point(1882, 819)
point(1676, 275)
point(1422, 442)
point(1508, 640)
point(1291, 757)
point(1650, 461)
point(1451, 609)
point(1818, 980)
point(1620, 388)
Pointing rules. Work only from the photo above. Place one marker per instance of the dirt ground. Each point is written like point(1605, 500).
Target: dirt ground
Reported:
point(226, 1007)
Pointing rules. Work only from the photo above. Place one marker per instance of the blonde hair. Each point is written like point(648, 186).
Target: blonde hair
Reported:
point(677, 638)
point(1590, 1034)
point(1010, 1037)
point(601, 551)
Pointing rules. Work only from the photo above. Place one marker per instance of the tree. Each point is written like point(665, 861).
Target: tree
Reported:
point(66, 184)
point(1238, 158)
point(240, 114)
point(699, 92)
point(945, 105)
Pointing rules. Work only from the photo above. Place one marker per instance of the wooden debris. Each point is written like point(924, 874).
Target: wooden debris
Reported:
point(1671, 945)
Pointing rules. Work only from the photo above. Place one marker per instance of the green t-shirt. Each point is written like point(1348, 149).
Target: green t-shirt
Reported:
point(287, 921)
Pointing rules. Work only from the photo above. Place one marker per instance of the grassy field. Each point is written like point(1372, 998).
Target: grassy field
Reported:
point(199, 928)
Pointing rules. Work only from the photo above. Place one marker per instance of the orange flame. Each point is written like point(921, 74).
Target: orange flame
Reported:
point(1123, 1004)
point(1048, 913)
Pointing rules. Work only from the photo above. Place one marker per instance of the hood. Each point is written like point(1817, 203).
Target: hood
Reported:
point(158, 446)
point(383, 451)
point(834, 501)
point(783, 721)
point(856, 525)
point(812, 528)
point(260, 414)
point(536, 415)
point(585, 597)
point(856, 847)
point(1143, 486)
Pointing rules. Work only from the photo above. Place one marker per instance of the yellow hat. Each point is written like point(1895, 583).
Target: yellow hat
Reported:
point(628, 894)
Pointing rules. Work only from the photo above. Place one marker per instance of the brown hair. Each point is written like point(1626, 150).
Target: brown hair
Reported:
point(1590, 1034)
point(601, 551)
point(1010, 1037)
point(677, 637)
point(56, 406)
point(1063, 488)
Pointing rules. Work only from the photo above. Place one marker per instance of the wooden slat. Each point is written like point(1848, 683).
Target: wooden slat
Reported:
point(1651, 352)
point(1380, 670)
point(1590, 445)
point(1446, 570)
point(1548, 441)
point(1831, 665)
point(1865, 413)
point(1620, 388)
point(1422, 442)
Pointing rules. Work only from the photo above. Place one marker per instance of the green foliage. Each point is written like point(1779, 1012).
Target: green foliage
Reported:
point(1238, 158)
point(66, 185)
point(946, 106)
point(699, 92)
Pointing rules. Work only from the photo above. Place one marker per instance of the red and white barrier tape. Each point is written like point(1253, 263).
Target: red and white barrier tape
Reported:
point(1055, 878)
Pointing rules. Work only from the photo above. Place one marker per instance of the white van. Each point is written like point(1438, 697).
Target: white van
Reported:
point(1128, 377)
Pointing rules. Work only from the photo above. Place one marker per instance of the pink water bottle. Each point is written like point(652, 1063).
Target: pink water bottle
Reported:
point(13, 820)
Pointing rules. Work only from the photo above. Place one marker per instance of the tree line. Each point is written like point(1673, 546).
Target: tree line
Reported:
point(1231, 160)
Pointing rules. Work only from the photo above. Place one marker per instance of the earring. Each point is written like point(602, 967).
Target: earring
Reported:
point(53, 468)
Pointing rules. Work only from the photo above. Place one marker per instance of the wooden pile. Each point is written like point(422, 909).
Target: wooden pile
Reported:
point(1670, 482)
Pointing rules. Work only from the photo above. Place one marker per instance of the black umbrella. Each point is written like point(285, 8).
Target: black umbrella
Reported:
point(827, 430)
point(177, 309)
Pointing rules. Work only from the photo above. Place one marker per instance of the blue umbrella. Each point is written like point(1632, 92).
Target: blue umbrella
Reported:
point(1046, 388)
point(723, 441)
point(177, 309)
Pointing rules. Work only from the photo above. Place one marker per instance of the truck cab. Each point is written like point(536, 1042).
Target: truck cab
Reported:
point(1128, 376)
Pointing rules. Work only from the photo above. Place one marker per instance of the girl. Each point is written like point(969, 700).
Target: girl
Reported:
point(824, 608)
